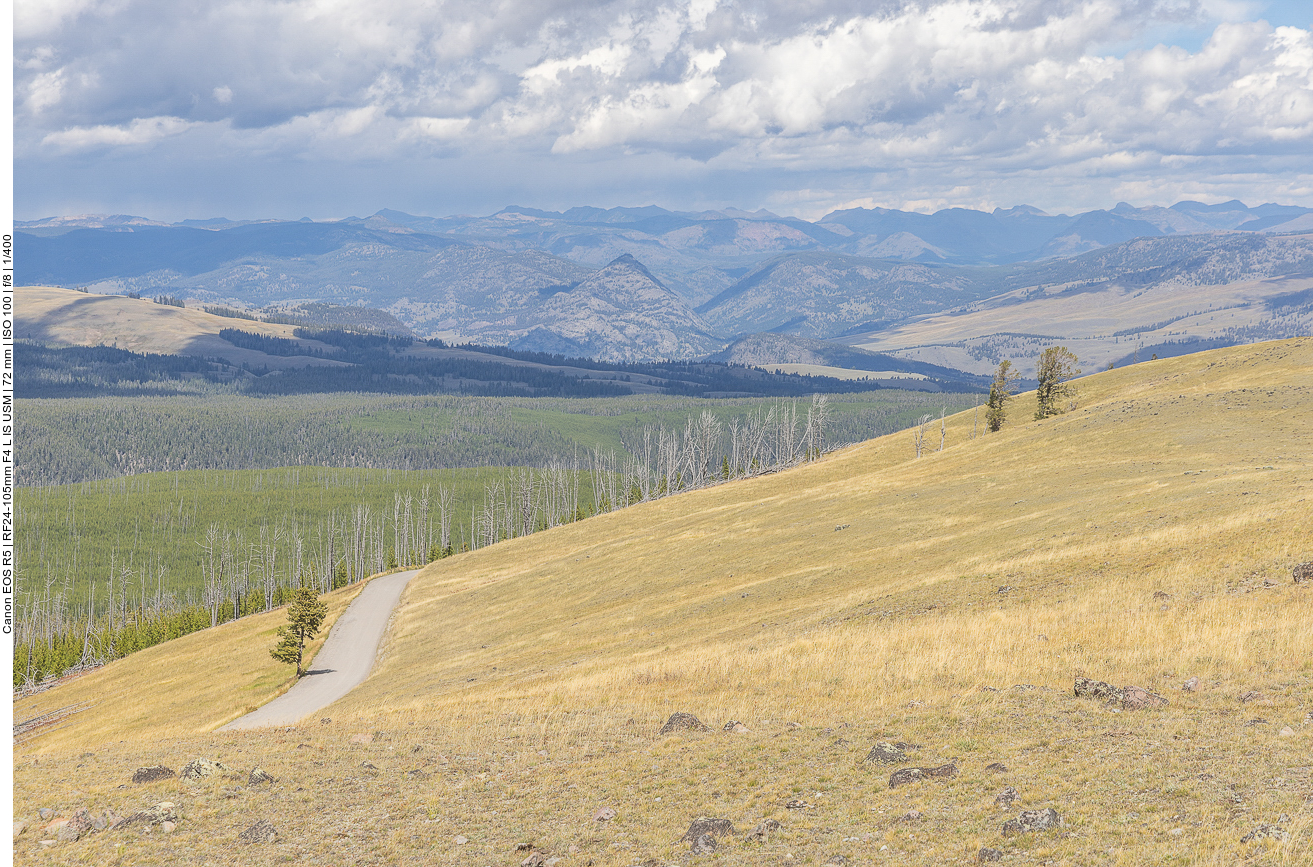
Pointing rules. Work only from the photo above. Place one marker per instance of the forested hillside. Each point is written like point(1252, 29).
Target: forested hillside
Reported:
point(85, 439)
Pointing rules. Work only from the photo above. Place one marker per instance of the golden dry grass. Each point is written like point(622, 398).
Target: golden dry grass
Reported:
point(182, 687)
point(857, 597)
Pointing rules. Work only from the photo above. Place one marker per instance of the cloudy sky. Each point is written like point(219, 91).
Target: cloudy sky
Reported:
point(326, 108)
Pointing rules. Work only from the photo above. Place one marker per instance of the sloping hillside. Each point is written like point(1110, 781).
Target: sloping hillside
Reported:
point(944, 602)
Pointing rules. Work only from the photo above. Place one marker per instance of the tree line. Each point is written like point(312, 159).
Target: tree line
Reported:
point(135, 605)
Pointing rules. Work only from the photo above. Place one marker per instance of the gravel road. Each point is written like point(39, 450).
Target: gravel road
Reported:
point(343, 662)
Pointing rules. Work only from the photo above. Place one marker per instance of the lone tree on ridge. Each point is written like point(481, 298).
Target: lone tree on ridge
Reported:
point(1000, 392)
point(304, 617)
point(1056, 366)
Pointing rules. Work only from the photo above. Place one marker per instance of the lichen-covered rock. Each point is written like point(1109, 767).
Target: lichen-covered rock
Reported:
point(996, 768)
point(683, 722)
point(1265, 832)
point(165, 811)
point(1086, 688)
point(764, 829)
point(259, 777)
point(987, 854)
point(885, 753)
point(1139, 698)
point(1032, 820)
point(80, 823)
point(914, 775)
point(1006, 798)
point(1303, 572)
point(199, 769)
point(704, 826)
point(1129, 697)
point(152, 774)
point(703, 845)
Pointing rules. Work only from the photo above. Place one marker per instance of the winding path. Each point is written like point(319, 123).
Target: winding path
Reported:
point(342, 663)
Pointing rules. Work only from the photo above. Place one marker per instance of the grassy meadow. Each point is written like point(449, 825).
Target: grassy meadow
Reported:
point(1145, 537)
point(153, 526)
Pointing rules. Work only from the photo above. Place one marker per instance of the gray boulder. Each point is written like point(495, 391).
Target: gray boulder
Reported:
point(683, 722)
point(916, 775)
point(199, 769)
point(152, 774)
point(1032, 820)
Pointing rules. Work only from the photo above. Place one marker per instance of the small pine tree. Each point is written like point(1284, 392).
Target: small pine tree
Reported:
point(304, 617)
point(1000, 392)
point(1056, 365)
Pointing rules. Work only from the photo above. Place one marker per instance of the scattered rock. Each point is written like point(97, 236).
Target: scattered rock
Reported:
point(703, 845)
point(1265, 832)
point(764, 829)
point(1287, 732)
point(1177, 832)
point(1005, 589)
point(707, 826)
point(535, 859)
point(1191, 685)
point(19, 827)
point(683, 722)
point(605, 814)
point(1032, 820)
point(837, 859)
point(736, 727)
point(199, 769)
point(996, 768)
point(152, 774)
point(1251, 695)
point(165, 811)
point(1159, 594)
point(910, 816)
point(988, 854)
point(168, 827)
point(1006, 798)
point(885, 753)
point(417, 774)
point(914, 775)
point(1303, 572)
point(46, 813)
point(362, 738)
point(915, 703)
point(793, 726)
point(461, 841)
point(797, 804)
point(369, 766)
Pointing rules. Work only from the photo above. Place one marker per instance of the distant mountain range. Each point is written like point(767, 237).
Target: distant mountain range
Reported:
point(632, 284)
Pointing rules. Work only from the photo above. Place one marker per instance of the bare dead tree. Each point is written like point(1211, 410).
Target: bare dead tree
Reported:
point(918, 433)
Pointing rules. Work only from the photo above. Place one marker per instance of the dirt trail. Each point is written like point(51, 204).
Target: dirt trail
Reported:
point(344, 661)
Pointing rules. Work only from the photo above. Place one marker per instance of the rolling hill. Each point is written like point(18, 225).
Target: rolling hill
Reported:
point(941, 604)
